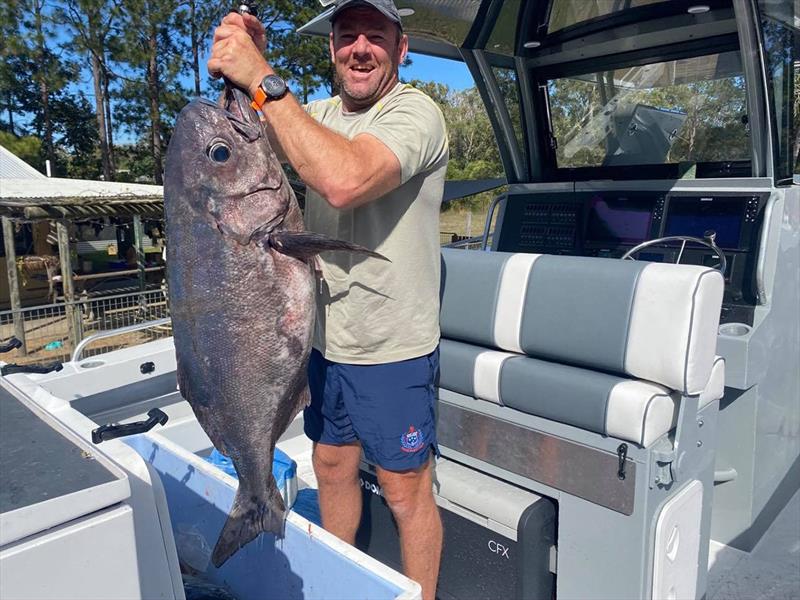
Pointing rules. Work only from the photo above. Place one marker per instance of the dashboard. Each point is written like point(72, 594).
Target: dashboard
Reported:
point(609, 223)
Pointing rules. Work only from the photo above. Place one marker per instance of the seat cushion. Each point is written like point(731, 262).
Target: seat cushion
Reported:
point(640, 320)
point(628, 409)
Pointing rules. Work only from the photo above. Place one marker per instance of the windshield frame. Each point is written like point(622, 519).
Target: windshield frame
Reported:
point(638, 14)
point(541, 76)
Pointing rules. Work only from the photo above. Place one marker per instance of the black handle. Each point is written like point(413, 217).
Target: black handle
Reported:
point(39, 369)
point(109, 432)
point(10, 345)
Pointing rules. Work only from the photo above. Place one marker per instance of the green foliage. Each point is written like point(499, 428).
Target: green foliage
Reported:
point(302, 60)
point(28, 148)
point(134, 163)
point(473, 150)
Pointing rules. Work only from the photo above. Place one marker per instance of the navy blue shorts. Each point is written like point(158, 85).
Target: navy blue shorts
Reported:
point(389, 408)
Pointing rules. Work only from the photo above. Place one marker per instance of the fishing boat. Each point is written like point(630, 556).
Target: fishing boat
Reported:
point(619, 400)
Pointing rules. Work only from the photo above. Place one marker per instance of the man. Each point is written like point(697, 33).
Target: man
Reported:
point(374, 160)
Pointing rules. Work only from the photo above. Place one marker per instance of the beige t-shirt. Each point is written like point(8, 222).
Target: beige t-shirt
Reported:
point(371, 311)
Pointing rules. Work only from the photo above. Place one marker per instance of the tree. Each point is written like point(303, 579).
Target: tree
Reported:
point(304, 61)
point(91, 23)
point(151, 48)
point(202, 15)
point(28, 148)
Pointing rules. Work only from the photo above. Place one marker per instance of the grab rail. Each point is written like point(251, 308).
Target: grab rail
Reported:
point(76, 355)
point(488, 225)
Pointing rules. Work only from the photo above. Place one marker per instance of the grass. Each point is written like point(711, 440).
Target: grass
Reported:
point(462, 222)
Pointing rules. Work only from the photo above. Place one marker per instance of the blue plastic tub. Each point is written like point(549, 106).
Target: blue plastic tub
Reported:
point(307, 563)
point(284, 470)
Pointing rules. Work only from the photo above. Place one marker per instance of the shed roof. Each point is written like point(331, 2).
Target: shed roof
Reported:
point(12, 166)
point(52, 197)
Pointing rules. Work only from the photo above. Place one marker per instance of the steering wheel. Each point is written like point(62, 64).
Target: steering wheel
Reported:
point(708, 240)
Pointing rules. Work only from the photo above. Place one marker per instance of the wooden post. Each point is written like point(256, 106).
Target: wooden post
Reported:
point(13, 284)
point(138, 242)
point(73, 313)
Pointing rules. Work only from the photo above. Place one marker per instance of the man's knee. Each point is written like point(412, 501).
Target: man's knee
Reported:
point(407, 492)
point(336, 464)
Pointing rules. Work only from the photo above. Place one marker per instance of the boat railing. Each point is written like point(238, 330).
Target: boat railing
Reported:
point(78, 353)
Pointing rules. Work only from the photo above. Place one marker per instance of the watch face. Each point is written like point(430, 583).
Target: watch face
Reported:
point(274, 86)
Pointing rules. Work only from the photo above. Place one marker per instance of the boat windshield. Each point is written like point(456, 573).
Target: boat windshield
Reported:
point(566, 13)
point(690, 110)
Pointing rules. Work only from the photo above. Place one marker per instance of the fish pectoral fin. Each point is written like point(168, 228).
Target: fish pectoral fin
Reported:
point(306, 244)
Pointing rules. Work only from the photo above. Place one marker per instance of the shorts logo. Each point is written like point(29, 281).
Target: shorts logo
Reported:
point(412, 440)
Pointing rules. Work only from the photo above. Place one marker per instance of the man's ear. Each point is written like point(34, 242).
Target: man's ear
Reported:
point(403, 48)
point(330, 45)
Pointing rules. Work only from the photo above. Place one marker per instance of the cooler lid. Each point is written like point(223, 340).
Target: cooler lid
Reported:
point(48, 475)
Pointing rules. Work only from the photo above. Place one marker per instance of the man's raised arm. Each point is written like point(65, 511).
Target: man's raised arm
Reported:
point(347, 173)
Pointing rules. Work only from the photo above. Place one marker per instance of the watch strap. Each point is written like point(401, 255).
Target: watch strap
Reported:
point(259, 99)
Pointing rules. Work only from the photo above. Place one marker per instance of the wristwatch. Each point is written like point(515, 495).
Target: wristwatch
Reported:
point(272, 87)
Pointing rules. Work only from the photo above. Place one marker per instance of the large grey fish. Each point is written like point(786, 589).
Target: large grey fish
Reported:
point(241, 285)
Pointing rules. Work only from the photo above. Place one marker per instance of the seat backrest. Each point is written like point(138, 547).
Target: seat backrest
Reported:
point(651, 321)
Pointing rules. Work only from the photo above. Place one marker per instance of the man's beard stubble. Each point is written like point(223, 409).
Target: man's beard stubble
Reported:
point(361, 99)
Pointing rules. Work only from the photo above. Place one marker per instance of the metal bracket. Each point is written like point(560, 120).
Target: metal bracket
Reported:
point(663, 462)
point(666, 462)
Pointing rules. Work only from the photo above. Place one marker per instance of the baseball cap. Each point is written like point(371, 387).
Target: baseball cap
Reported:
point(386, 8)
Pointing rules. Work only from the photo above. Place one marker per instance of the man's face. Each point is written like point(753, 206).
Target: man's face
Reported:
point(367, 49)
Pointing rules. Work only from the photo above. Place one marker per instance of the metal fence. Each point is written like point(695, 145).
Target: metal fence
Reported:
point(51, 332)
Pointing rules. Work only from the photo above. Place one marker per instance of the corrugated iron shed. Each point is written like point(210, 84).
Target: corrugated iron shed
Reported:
point(56, 198)
point(12, 166)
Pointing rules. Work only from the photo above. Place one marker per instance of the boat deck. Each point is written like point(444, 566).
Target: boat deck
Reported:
point(770, 572)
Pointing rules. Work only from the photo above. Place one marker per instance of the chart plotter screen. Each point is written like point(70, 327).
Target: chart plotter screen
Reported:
point(618, 220)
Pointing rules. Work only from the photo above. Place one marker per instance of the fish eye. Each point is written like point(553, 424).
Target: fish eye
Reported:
point(219, 152)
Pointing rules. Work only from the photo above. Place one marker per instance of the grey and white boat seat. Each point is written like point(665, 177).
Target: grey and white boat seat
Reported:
point(607, 346)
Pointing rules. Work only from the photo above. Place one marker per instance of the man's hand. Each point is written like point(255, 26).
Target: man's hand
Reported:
point(237, 52)
point(251, 25)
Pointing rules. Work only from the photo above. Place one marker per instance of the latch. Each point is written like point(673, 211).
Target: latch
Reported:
point(622, 454)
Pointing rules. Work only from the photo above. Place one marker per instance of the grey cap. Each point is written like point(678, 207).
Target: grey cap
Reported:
point(386, 8)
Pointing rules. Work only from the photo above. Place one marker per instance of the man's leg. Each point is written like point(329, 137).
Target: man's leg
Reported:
point(336, 468)
point(410, 496)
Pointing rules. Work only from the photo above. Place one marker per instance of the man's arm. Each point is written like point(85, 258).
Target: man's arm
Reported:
point(347, 173)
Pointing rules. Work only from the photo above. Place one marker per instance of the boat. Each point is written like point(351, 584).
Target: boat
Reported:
point(619, 401)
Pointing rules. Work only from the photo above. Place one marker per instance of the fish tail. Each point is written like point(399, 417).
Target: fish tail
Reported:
point(250, 516)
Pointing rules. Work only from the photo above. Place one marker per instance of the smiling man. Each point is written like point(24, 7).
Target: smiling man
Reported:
point(374, 160)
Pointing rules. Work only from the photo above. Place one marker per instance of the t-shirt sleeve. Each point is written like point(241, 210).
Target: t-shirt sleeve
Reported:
point(413, 128)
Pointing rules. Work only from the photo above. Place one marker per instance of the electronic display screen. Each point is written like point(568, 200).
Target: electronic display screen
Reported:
point(619, 219)
point(696, 215)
